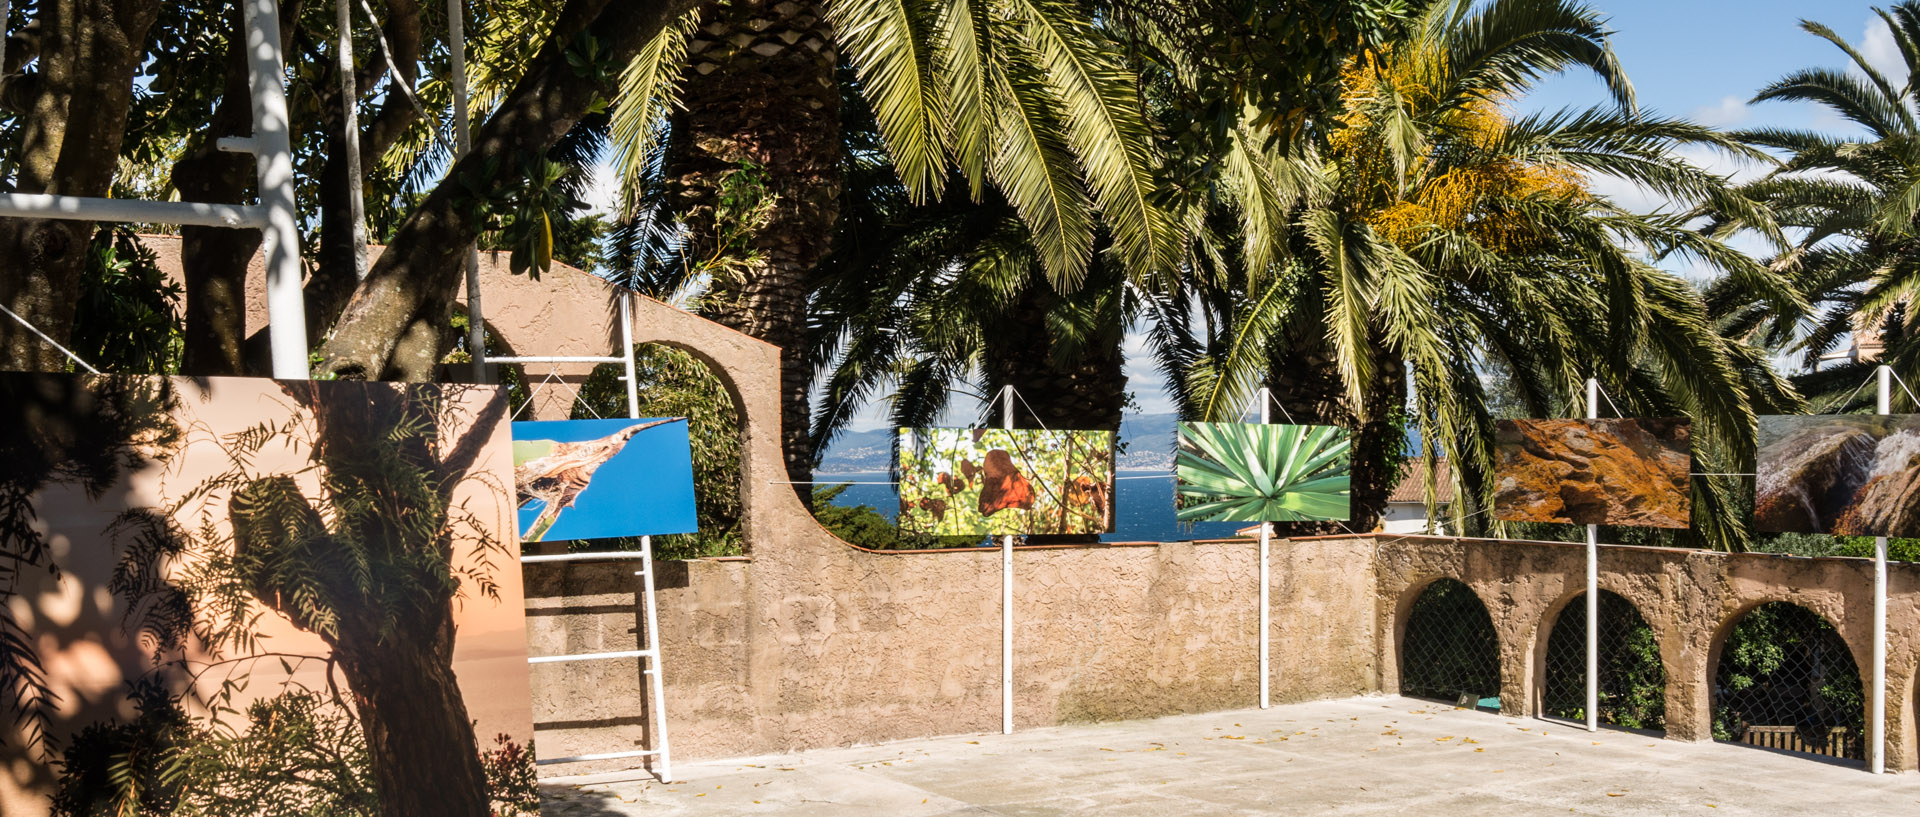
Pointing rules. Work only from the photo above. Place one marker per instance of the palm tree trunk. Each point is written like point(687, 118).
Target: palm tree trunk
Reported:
point(1084, 391)
point(762, 124)
point(1305, 381)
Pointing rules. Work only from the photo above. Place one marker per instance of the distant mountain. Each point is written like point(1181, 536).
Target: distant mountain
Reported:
point(1146, 444)
point(855, 452)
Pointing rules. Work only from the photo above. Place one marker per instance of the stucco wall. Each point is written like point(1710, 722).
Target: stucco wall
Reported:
point(814, 643)
point(842, 646)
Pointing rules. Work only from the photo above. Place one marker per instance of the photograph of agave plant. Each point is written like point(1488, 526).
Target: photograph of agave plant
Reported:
point(1235, 472)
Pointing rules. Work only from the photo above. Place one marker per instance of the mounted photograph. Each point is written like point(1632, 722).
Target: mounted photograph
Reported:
point(226, 593)
point(1616, 471)
point(962, 481)
point(1847, 475)
point(1238, 472)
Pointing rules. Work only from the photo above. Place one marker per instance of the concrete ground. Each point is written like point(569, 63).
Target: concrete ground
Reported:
point(1358, 756)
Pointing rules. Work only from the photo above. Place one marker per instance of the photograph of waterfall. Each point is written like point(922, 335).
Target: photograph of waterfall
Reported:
point(1618, 471)
point(1851, 475)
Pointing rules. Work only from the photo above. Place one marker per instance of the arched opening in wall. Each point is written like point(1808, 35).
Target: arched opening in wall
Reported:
point(1786, 681)
point(1450, 651)
point(1633, 682)
point(673, 383)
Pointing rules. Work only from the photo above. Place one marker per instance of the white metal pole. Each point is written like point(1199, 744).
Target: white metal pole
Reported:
point(462, 142)
point(1266, 537)
point(1006, 595)
point(273, 162)
point(1593, 590)
point(626, 351)
point(350, 133)
point(1877, 734)
point(655, 685)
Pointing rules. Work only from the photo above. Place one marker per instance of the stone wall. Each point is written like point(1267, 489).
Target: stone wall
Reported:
point(815, 643)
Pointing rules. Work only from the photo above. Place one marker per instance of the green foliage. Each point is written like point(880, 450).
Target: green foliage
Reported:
point(116, 769)
point(1633, 681)
point(673, 383)
point(741, 209)
point(1450, 651)
point(512, 782)
point(864, 526)
point(297, 754)
point(1263, 473)
point(128, 320)
point(1814, 544)
point(1850, 201)
point(1785, 665)
point(961, 482)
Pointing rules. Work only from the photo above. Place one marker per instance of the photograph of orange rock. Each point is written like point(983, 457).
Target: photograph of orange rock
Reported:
point(1848, 475)
point(232, 596)
point(1629, 471)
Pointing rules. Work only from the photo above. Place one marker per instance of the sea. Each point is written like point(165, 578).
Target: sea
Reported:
point(1143, 505)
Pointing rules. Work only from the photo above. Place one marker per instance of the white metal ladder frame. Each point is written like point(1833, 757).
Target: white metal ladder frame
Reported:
point(650, 649)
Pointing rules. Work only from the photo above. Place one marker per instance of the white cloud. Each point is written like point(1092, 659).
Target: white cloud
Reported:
point(1143, 376)
point(1877, 45)
point(1729, 111)
point(603, 194)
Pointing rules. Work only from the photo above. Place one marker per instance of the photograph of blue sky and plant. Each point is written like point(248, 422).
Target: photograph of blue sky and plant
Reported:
point(229, 597)
point(969, 481)
point(1236, 472)
point(601, 479)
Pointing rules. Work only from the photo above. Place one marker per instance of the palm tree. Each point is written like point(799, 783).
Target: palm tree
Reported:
point(1853, 203)
point(928, 296)
point(1027, 98)
point(1434, 232)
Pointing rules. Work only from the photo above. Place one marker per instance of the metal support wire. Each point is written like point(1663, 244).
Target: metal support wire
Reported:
point(50, 341)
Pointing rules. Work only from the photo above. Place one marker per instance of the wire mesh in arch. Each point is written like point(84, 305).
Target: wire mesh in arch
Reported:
point(1450, 651)
point(1633, 683)
point(1787, 681)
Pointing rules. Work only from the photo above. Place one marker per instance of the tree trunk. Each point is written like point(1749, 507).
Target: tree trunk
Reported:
point(1305, 380)
point(395, 645)
point(335, 272)
point(89, 51)
point(214, 260)
point(383, 329)
point(1086, 391)
point(762, 111)
point(421, 746)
